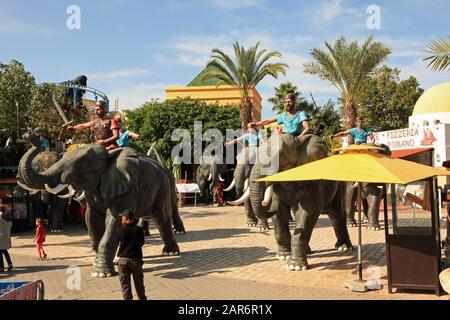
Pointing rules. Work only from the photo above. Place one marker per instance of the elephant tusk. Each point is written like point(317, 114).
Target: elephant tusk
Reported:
point(241, 199)
point(81, 197)
point(25, 187)
point(231, 186)
point(57, 189)
point(267, 196)
point(34, 192)
point(220, 178)
point(66, 196)
point(72, 191)
point(245, 184)
point(209, 177)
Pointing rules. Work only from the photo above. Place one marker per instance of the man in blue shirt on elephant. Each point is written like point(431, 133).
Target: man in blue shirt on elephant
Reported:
point(295, 122)
point(253, 138)
point(359, 133)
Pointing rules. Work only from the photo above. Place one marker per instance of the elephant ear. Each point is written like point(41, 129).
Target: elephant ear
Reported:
point(122, 172)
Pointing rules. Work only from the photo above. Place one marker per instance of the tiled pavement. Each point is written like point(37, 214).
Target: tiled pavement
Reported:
point(221, 259)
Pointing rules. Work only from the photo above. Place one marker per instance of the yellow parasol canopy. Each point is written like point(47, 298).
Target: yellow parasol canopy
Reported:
point(357, 163)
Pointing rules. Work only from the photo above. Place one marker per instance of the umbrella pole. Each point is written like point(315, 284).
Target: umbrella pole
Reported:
point(359, 232)
point(358, 285)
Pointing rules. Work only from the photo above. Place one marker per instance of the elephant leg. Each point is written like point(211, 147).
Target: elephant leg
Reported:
point(282, 232)
point(374, 199)
point(336, 213)
point(365, 209)
point(108, 246)
point(305, 223)
point(95, 223)
point(164, 224)
point(262, 225)
point(252, 221)
point(178, 225)
point(350, 199)
point(339, 223)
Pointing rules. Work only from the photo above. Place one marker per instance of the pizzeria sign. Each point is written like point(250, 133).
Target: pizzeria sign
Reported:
point(407, 138)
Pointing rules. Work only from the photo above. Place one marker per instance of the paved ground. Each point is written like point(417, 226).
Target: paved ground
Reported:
point(221, 259)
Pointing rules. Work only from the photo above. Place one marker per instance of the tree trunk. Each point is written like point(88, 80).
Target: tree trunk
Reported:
point(350, 117)
point(246, 110)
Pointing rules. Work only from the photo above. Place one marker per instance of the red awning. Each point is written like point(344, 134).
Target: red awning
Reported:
point(408, 152)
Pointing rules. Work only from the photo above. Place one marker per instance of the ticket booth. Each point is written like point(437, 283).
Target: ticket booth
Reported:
point(413, 250)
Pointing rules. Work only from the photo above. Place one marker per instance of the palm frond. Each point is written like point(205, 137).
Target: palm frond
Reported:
point(440, 54)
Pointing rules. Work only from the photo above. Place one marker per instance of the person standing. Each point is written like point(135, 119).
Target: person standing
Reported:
point(295, 122)
point(5, 237)
point(39, 239)
point(359, 133)
point(131, 240)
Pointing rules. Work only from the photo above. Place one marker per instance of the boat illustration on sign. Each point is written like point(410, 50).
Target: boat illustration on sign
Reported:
point(428, 138)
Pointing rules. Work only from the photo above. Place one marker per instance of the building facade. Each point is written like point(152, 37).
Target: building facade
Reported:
point(209, 92)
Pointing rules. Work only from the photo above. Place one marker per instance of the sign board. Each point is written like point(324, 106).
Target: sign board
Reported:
point(9, 286)
point(188, 188)
point(411, 138)
point(22, 290)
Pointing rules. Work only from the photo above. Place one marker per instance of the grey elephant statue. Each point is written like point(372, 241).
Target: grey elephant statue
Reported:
point(309, 198)
point(44, 201)
point(209, 173)
point(240, 183)
point(115, 183)
point(371, 196)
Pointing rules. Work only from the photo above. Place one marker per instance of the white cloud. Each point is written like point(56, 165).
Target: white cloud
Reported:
point(332, 9)
point(132, 97)
point(404, 47)
point(117, 74)
point(426, 77)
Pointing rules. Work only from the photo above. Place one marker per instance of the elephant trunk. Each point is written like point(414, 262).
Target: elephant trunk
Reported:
point(240, 178)
point(257, 192)
point(34, 180)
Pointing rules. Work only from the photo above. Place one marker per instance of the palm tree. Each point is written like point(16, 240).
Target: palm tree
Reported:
point(250, 68)
point(280, 93)
point(440, 54)
point(348, 67)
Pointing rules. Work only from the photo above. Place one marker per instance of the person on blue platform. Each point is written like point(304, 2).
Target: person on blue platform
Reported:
point(359, 133)
point(294, 121)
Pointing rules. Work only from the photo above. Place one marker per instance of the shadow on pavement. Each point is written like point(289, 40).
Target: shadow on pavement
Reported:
point(212, 234)
point(350, 262)
point(80, 243)
point(33, 269)
point(202, 262)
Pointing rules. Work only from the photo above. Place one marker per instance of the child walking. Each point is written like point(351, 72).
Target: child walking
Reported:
point(39, 239)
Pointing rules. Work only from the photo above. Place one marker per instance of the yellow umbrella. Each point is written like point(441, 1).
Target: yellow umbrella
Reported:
point(358, 163)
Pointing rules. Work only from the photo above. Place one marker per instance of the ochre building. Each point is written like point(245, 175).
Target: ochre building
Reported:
point(209, 92)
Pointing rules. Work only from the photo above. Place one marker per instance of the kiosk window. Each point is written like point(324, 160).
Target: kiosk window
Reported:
point(411, 208)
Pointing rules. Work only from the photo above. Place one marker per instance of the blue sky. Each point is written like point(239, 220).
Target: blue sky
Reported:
point(133, 49)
